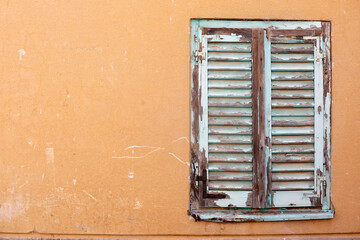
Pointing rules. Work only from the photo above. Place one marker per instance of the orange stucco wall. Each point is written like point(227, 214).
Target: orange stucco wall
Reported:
point(83, 81)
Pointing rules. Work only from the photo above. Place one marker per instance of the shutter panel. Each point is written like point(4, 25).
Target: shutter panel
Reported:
point(226, 124)
point(295, 119)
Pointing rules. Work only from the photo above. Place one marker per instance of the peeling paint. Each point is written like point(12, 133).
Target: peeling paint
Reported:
point(13, 207)
point(49, 153)
point(138, 204)
point(21, 54)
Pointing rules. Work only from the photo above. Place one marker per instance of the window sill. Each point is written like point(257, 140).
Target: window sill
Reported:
point(260, 216)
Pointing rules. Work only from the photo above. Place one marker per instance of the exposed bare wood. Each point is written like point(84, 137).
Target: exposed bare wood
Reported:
point(287, 48)
point(294, 33)
point(266, 215)
point(194, 146)
point(258, 109)
point(229, 47)
point(245, 33)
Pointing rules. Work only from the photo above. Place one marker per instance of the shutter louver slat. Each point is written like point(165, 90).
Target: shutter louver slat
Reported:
point(235, 121)
point(241, 84)
point(227, 75)
point(292, 48)
point(229, 56)
point(294, 76)
point(296, 57)
point(232, 47)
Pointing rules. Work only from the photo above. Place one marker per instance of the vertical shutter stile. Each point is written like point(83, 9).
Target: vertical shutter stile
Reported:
point(326, 111)
point(259, 163)
point(267, 98)
point(318, 121)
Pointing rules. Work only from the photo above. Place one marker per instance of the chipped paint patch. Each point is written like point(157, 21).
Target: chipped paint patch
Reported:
point(21, 53)
point(138, 204)
point(13, 207)
point(131, 175)
point(49, 153)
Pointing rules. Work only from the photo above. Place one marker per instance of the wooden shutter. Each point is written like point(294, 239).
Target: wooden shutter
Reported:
point(260, 117)
point(226, 122)
point(294, 99)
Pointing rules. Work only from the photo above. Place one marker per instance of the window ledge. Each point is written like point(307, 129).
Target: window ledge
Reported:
point(260, 216)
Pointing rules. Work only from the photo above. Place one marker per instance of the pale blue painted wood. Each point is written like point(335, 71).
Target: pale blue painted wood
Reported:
point(319, 116)
point(193, 47)
point(268, 125)
point(327, 126)
point(258, 24)
point(234, 216)
point(194, 36)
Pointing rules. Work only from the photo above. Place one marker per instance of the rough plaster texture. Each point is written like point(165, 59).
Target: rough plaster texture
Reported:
point(94, 115)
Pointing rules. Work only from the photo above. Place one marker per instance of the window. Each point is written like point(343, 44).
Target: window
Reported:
point(260, 120)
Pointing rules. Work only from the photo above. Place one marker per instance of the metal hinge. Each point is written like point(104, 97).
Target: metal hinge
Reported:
point(324, 183)
point(198, 55)
point(321, 56)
